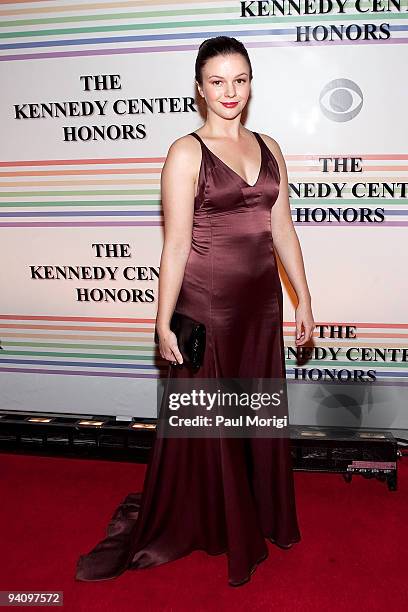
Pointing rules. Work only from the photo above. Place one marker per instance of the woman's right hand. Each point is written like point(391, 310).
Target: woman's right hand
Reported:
point(168, 346)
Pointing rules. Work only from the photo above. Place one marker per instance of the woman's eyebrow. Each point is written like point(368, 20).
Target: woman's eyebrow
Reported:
point(220, 77)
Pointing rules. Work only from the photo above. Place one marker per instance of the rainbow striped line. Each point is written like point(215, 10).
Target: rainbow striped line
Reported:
point(123, 192)
point(117, 29)
point(124, 347)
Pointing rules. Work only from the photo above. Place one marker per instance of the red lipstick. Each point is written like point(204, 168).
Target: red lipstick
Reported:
point(229, 104)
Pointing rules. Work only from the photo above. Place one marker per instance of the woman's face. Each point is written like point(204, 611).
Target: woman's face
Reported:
point(225, 79)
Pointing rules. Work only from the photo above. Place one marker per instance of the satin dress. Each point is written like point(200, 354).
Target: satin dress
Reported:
point(219, 495)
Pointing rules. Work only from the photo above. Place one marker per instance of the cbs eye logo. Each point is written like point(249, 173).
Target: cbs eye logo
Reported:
point(341, 100)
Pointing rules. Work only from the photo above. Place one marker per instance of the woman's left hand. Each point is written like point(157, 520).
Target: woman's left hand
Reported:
point(304, 323)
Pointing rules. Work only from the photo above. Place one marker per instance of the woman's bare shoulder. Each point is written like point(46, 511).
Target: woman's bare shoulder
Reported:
point(184, 148)
point(182, 161)
point(183, 158)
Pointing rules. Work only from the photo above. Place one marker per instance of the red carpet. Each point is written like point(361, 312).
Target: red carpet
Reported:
point(351, 556)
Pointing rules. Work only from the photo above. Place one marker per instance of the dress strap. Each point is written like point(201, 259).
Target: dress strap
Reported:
point(206, 154)
point(196, 136)
point(257, 136)
point(259, 139)
point(204, 148)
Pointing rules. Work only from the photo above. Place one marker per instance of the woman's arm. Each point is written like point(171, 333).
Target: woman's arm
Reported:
point(288, 247)
point(178, 178)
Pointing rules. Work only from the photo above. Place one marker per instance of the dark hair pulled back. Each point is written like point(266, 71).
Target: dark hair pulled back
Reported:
point(219, 45)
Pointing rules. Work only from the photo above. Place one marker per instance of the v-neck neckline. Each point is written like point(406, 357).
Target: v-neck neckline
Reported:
point(231, 169)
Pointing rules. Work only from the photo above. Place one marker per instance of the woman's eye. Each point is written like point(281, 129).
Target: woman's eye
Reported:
point(238, 81)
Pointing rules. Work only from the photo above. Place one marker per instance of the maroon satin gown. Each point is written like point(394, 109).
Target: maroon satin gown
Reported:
point(220, 495)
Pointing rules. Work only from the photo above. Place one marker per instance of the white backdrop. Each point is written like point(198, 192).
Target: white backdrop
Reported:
point(57, 198)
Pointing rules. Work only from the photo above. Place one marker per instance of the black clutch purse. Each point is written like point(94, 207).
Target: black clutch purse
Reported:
point(191, 337)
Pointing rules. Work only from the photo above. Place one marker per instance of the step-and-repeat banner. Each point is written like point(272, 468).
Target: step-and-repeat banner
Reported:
point(92, 96)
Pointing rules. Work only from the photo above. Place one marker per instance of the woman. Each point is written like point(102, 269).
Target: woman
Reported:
point(226, 209)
